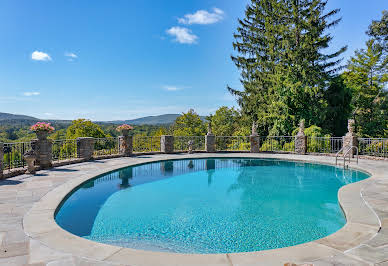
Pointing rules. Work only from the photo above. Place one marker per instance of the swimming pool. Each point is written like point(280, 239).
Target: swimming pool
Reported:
point(209, 205)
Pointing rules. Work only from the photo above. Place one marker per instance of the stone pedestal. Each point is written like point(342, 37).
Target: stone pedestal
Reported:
point(85, 148)
point(167, 144)
point(350, 140)
point(301, 140)
point(126, 145)
point(255, 143)
point(300, 143)
point(43, 151)
point(210, 143)
point(1, 159)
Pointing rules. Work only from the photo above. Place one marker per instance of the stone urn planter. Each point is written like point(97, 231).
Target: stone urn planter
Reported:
point(125, 132)
point(124, 129)
point(41, 135)
point(42, 130)
point(30, 158)
point(126, 145)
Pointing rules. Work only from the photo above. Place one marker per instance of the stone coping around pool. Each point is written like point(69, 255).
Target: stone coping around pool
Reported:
point(348, 244)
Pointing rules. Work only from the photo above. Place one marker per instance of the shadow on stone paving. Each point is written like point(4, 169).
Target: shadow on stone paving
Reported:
point(9, 182)
point(63, 170)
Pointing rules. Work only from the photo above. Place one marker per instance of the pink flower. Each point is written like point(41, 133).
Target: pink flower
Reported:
point(124, 127)
point(42, 126)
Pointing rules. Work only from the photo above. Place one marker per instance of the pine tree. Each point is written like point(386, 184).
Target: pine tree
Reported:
point(367, 76)
point(284, 71)
point(257, 44)
point(378, 30)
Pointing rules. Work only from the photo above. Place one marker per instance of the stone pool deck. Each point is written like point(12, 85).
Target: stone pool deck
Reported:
point(30, 236)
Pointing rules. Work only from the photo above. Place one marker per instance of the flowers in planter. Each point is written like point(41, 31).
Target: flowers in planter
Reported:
point(124, 127)
point(42, 127)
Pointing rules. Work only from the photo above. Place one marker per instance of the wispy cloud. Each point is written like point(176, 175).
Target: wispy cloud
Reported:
point(40, 56)
point(182, 35)
point(71, 56)
point(172, 88)
point(202, 17)
point(31, 93)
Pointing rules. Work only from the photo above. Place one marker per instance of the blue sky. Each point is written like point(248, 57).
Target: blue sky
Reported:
point(107, 60)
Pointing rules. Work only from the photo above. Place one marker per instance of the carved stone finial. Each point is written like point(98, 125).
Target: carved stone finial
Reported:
point(301, 126)
point(254, 129)
point(209, 129)
point(351, 126)
point(190, 146)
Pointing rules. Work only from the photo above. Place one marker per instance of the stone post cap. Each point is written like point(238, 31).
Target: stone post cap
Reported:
point(351, 123)
point(254, 129)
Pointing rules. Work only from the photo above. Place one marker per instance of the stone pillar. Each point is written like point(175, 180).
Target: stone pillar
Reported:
point(167, 144)
point(126, 145)
point(210, 143)
point(85, 148)
point(301, 140)
point(43, 150)
point(254, 138)
point(1, 159)
point(210, 139)
point(350, 139)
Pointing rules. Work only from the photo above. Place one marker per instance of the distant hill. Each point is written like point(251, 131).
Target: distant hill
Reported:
point(166, 119)
point(151, 120)
point(9, 117)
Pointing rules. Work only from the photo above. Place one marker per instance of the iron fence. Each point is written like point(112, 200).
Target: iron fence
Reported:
point(13, 155)
point(277, 144)
point(106, 146)
point(373, 147)
point(233, 143)
point(67, 149)
point(64, 149)
point(324, 144)
point(181, 143)
point(146, 144)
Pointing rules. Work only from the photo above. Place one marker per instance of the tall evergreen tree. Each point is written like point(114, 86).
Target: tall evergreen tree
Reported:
point(338, 97)
point(257, 43)
point(284, 70)
point(378, 30)
point(367, 77)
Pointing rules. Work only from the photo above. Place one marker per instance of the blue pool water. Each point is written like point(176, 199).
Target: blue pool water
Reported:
point(209, 205)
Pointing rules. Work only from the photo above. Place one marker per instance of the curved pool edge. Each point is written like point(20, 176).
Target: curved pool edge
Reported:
point(362, 222)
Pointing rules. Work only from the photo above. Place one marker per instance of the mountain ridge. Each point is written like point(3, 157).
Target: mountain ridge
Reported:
point(164, 119)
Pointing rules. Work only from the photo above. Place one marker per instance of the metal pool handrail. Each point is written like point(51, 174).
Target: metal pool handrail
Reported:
point(345, 154)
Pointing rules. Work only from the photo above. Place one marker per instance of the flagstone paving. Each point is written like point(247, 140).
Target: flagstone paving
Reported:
point(30, 236)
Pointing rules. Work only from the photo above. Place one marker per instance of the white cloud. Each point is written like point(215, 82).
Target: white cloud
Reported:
point(40, 56)
point(182, 35)
point(203, 17)
point(172, 88)
point(71, 55)
point(32, 93)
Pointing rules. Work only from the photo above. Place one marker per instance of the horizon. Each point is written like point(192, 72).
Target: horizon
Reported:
point(57, 65)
